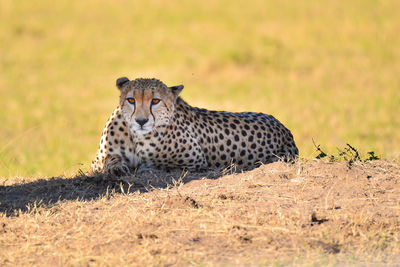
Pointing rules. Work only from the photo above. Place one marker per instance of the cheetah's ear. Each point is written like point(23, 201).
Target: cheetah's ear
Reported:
point(121, 81)
point(177, 89)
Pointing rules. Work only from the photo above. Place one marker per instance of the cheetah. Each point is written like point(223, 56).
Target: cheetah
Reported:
point(153, 127)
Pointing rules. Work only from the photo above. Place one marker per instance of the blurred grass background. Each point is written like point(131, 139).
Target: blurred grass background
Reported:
point(328, 70)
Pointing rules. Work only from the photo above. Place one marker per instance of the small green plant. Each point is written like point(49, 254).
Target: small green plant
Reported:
point(372, 156)
point(349, 154)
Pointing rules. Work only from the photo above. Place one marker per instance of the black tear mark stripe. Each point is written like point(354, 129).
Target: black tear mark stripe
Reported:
point(151, 107)
point(151, 112)
point(134, 109)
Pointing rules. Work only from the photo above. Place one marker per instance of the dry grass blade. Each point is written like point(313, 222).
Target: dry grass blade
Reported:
point(334, 215)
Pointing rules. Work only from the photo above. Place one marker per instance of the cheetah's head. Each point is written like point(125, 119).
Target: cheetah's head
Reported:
point(147, 103)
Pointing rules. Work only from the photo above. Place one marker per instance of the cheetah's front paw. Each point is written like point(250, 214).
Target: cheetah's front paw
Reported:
point(116, 167)
point(121, 170)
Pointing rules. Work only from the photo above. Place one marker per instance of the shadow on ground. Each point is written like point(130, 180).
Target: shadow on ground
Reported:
point(20, 196)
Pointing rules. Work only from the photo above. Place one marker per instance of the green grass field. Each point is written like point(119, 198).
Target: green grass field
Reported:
point(328, 70)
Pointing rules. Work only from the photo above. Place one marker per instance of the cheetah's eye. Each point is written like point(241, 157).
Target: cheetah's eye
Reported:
point(131, 100)
point(155, 101)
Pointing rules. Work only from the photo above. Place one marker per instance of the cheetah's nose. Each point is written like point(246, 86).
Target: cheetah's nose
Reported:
point(142, 121)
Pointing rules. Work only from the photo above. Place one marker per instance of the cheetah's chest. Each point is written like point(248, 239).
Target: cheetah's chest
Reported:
point(148, 151)
point(173, 148)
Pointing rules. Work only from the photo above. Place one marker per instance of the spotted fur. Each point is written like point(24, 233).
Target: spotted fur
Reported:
point(172, 134)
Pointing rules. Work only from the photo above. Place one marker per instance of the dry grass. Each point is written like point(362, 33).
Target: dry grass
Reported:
point(309, 213)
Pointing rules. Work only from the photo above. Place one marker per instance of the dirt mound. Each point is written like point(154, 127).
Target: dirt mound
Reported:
point(307, 213)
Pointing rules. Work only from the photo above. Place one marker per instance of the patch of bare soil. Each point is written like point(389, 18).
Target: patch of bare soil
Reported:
point(299, 214)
